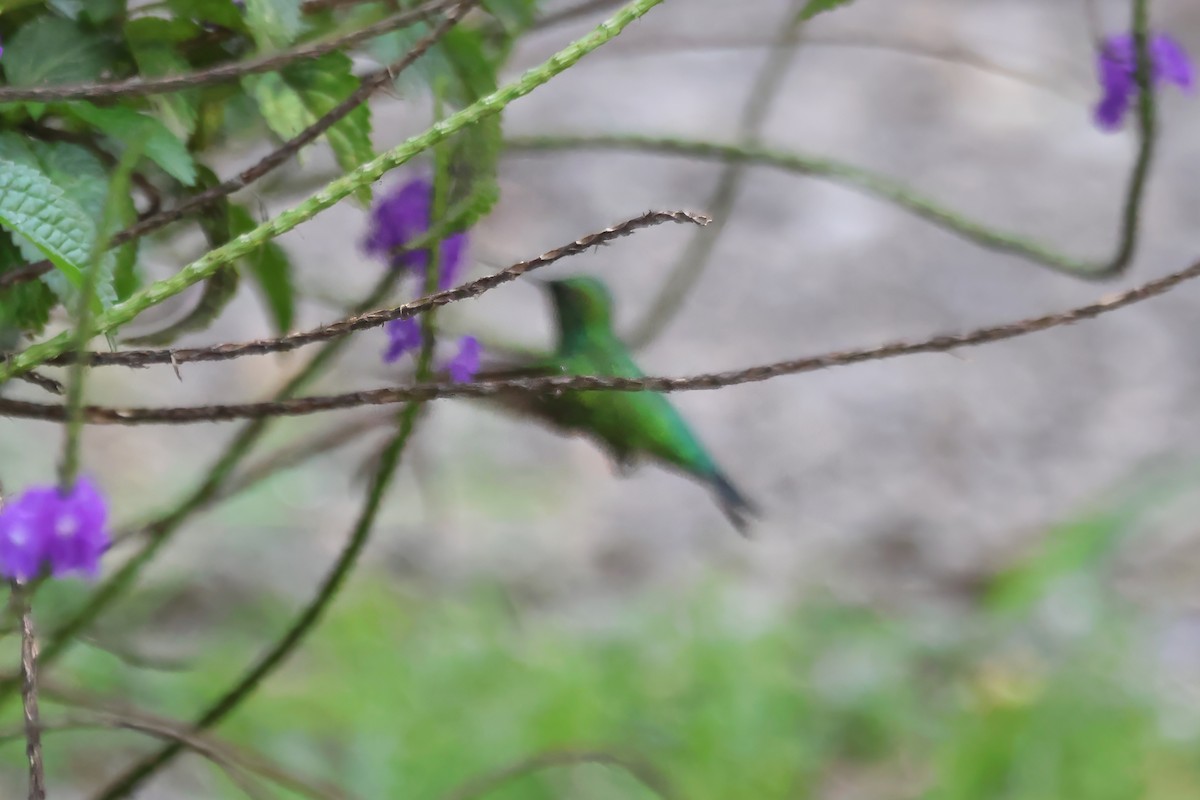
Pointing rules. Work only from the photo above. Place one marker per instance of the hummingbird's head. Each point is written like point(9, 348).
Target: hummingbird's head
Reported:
point(582, 303)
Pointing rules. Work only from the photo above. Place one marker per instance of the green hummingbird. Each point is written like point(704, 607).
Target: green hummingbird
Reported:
point(630, 425)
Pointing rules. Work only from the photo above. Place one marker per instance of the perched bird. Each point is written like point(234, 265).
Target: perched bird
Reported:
point(630, 425)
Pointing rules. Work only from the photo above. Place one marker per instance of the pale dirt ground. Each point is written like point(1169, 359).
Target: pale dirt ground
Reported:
point(884, 479)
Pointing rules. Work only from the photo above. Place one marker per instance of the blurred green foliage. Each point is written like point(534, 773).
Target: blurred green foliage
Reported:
point(58, 153)
point(408, 692)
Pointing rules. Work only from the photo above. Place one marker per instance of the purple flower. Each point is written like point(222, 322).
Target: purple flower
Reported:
point(403, 335)
point(465, 364)
point(45, 528)
point(402, 216)
point(1117, 68)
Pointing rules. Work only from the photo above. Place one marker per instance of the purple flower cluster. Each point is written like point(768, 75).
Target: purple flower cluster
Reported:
point(465, 364)
point(397, 219)
point(403, 216)
point(1117, 69)
point(45, 529)
point(404, 336)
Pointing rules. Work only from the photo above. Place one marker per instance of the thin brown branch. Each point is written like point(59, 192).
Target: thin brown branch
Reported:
point(222, 72)
point(107, 721)
point(41, 381)
point(293, 455)
point(283, 459)
point(32, 727)
point(691, 265)
point(369, 84)
point(115, 714)
point(714, 380)
point(222, 352)
point(638, 768)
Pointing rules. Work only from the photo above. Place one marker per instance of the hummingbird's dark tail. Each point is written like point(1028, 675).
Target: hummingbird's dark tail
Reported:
point(737, 508)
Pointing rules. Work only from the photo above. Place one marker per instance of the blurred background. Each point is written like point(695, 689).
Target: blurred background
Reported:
point(976, 572)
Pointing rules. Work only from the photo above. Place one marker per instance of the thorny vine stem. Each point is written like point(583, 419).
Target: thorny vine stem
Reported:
point(222, 352)
point(689, 268)
point(223, 72)
point(940, 343)
point(337, 190)
point(309, 616)
point(369, 84)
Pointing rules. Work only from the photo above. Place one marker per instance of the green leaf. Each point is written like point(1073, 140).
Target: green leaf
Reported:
point(125, 125)
point(424, 71)
point(68, 8)
point(475, 152)
point(52, 50)
point(274, 23)
point(218, 12)
point(473, 71)
point(296, 97)
point(514, 15)
point(815, 7)
point(127, 277)
point(83, 179)
point(53, 224)
point(77, 172)
point(271, 269)
point(219, 289)
point(460, 63)
point(101, 11)
point(15, 147)
point(152, 43)
point(24, 308)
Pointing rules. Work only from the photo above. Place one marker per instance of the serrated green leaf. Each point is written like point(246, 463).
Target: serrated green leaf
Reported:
point(271, 269)
point(52, 224)
point(125, 125)
point(83, 179)
point(299, 95)
point(815, 7)
point(24, 308)
point(50, 50)
point(77, 172)
point(274, 23)
point(281, 106)
point(152, 46)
